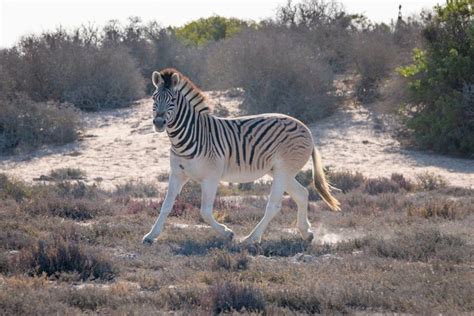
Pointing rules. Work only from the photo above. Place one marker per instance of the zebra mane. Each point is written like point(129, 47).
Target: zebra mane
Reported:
point(188, 89)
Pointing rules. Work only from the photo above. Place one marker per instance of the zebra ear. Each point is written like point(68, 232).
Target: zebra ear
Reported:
point(175, 80)
point(156, 78)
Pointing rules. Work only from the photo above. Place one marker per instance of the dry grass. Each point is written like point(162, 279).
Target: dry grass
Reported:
point(404, 251)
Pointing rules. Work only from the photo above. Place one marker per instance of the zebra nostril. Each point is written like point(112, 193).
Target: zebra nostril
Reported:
point(159, 121)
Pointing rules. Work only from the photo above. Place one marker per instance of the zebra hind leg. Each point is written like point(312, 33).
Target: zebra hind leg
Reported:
point(300, 194)
point(273, 207)
point(208, 191)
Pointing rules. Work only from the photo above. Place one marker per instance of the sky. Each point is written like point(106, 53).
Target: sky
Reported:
point(21, 17)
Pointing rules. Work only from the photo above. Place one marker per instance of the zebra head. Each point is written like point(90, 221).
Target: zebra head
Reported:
point(164, 98)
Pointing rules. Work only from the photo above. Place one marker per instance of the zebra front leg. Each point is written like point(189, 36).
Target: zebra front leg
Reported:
point(273, 207)
point(208, 190)
point(176, 182)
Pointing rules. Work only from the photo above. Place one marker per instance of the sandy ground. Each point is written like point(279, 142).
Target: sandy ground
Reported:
point(120, 145)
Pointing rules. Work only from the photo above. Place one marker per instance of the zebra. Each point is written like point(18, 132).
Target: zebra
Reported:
point(210, 149)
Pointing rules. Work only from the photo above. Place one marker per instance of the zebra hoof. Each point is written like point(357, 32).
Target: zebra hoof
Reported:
point(310, 237)
point(249, 241)
point(147, 241)
point(229, 235)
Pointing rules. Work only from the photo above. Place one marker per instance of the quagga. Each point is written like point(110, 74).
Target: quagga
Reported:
point(209, 149)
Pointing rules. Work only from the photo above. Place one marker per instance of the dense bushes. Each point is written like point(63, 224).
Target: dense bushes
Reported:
point(295, 80)
point(441, 80)
point(69, 68)
point(26, 124)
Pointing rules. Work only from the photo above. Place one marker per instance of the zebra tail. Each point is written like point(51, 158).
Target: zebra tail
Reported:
point(321, 184)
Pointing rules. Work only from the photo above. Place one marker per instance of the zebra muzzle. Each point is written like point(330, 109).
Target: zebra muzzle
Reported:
point(159, 123)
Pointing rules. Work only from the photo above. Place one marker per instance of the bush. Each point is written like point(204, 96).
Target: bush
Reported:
point(346, 180)
point(296, 81)
point(205, 30)
point(424, 245)
point(429, 181)
point(441, 81)
point(50, 204)
point(11, 188)
point(441, 208)
point(67, 174)
point(222, 259)
point(227, 297)
point(380, 185)
point(59, 255)
point(138, 189)
point(375, 55)
point(72, 67)
point(25, 124)
point(4, 265)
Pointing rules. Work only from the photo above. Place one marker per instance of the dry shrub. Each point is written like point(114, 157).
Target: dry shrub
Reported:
point(74, 208)
point(137, 189)
point(297, 80)
point(179, 298)
point(4, 264)
point(346, 180)
point(222, 259)
point(14, 239)
point(62, 174)
point(70, 67)
point(285, 247)
point(429, 181)
point(380, 185)
point(25, 124)
point(163, 177)
point(375, 55)
point(70, 189)
point(402, 182)
point(228, 296)
point(87, 299)
point(296, 299)
point(11, 188)
point(441, 208)
point(423, 245)
point(30, 296)
point(191, 193)
point(188, 247)
point(58, 255)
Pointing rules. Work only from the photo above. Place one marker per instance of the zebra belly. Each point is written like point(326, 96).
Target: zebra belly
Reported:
point(243, 176)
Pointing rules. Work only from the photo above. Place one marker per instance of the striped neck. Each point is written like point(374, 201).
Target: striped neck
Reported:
point(190, 123)
point(193, 96)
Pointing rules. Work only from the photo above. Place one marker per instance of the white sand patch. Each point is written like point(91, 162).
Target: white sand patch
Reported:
point(191, 226)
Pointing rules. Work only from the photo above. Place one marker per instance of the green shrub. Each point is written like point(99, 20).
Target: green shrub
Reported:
point(441, 81)
point(205, 30)
point(25, 124)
